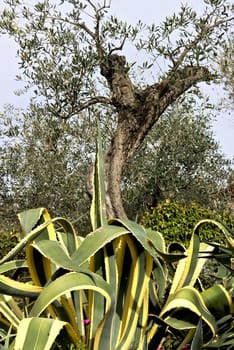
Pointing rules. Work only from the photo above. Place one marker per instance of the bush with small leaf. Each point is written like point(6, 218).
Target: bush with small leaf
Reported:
point(176, 221)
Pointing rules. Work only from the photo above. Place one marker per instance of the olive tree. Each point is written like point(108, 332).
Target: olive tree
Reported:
point(180, 160)
point(73, 55)
point(44, 163)
point(227, 68)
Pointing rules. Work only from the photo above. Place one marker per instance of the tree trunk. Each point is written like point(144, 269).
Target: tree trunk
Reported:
point(138, 110)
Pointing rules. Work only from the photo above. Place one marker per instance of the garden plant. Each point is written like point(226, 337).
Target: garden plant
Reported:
point(118, 288)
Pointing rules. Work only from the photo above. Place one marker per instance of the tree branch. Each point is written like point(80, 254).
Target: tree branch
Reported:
point(80, 25)
point(75, 110)
point(93, 101)
point(196, 40)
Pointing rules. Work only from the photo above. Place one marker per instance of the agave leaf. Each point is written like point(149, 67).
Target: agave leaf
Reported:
point(222, 254)
point(221, 226)
point(37, 333)
point(156, 239)
point(131, 288)
point(26, 240)
point(12, 265)
point(3, 347)
point(184, 274)
point(10, 332)
point(41, 266)
point(187, 306)
point(218, 301)
point(89, 246)
point(146, 240)
point(95, 241)
point(206, 249)
point(68, 237)
point(198, 337)
point(55, 252)
point(39, 216)
point(96, 303)
point(9, 315)
point(76, 282)
point(11, 302)
point(80, 303)
point(136, 292)
point(105, 337)
point(72, 281)
point(140, 234)
point(29, 219)
point(98, 206)
point(191, 262)
point(136, 230)
point(224, 341)
point(15, 288)
point(140, 338)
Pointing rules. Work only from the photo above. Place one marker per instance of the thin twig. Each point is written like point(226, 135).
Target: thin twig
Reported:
point(87, 104)
point(120, 47)
point(80, 25)
point(197, 39)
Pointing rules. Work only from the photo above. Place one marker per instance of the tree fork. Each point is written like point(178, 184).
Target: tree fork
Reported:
point(138, 110)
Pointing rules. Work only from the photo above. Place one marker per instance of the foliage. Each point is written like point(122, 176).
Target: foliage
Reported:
point(44, 163)
point(226, 67)
point(185, 166)
point(225, 197)
point(63, 59)
point(73, 60)
point(118, 288)
point(176, 221)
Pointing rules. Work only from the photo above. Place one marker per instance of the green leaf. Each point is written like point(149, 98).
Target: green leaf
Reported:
point(25, 240)
point(70, 282)
point(221, 226)
point(198, 337)
point(95, 241)
point(29, 219)
point(184, 274)
point(12, 265)
point(37, 333)
point(98, 206)
point(156, 238)
point(11, 287)
point(187, 306)
point(218, 301)
point(10, 313)
point(55, 252)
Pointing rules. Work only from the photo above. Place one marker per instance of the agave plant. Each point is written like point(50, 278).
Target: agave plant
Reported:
point(204, 313)
point(118, 288)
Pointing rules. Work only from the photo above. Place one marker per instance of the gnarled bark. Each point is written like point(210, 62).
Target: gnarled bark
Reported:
point(138, 110)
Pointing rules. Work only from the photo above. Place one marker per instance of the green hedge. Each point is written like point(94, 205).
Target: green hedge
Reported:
point(176, 221)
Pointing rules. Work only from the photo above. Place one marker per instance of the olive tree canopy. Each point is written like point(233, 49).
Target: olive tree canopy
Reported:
point(74, 56)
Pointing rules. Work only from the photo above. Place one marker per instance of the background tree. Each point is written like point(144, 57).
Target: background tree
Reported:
point(180, 161)
point(44, 163)
point(73, 55)
point(227, 69)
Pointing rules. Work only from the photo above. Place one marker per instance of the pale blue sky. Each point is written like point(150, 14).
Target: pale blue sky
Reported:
point(147, 11)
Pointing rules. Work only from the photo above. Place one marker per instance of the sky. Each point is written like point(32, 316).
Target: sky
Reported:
point(148, 11)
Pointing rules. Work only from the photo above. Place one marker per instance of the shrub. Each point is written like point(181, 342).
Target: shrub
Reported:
point(176, 222)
